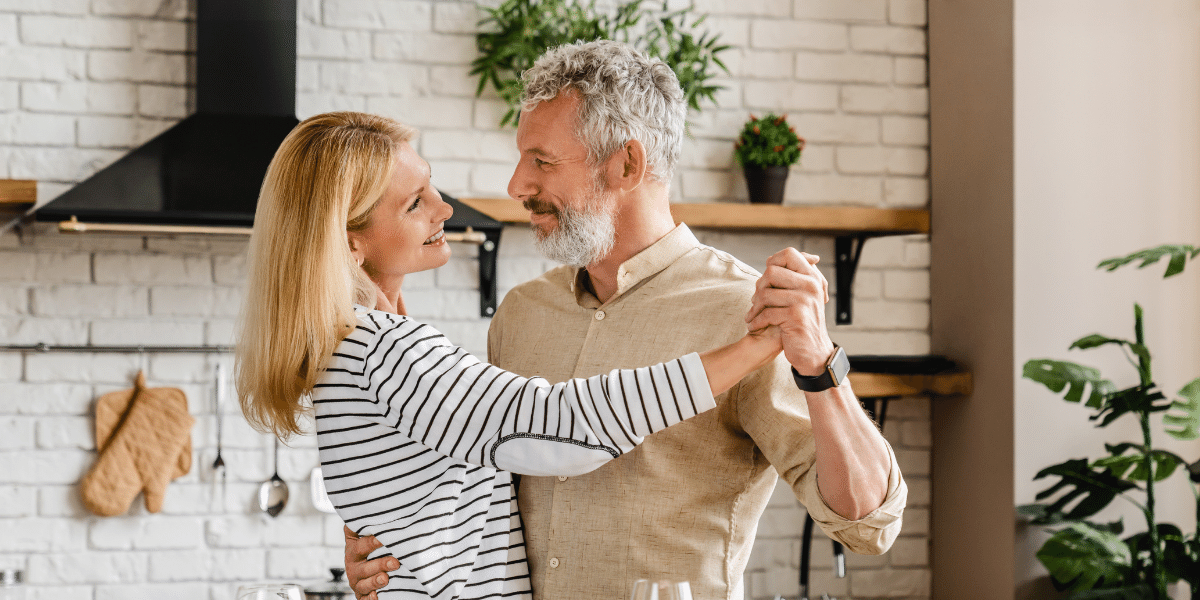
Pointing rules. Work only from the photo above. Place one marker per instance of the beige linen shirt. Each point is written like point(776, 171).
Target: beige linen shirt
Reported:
point(685, 504)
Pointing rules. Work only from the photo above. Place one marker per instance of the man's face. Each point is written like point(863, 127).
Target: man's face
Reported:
point(571, 214)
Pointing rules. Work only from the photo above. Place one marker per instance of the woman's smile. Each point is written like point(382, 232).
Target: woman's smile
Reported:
point(436, 239)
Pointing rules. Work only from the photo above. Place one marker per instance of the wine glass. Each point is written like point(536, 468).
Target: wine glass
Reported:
point(644, 589)
point(674, 590)
point(269, 591)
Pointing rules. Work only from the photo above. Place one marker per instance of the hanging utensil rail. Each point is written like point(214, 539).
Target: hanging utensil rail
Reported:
point(117, 349)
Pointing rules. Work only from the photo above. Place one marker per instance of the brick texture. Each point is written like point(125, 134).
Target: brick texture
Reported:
point(83, 81)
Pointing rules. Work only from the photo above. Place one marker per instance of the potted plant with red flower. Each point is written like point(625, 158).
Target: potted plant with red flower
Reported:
point(766, 149)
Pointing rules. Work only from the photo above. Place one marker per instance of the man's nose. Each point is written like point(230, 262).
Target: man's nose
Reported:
point(519, 185)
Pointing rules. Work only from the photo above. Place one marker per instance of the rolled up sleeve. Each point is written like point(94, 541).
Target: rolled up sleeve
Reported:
point(775, 415)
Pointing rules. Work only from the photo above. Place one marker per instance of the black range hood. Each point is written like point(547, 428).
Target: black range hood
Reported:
point(207, 169)
point(203, 175)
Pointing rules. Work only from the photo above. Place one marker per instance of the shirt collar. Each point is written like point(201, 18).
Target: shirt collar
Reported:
point(643, 265)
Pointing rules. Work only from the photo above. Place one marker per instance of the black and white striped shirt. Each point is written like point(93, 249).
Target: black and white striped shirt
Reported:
point(418, 438)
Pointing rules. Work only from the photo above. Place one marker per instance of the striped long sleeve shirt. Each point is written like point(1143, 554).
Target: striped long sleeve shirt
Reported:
point(418, 440)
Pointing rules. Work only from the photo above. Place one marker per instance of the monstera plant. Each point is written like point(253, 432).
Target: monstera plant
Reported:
point(1090, 559)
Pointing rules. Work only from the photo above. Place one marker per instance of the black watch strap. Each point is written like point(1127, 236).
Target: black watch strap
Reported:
point(836, 369)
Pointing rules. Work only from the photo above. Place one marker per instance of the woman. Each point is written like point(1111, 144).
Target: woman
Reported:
point(418, 438)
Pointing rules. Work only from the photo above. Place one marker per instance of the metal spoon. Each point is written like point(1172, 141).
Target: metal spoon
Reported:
point(273, 493)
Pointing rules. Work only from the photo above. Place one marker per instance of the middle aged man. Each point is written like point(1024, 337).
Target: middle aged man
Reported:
point(599, 137)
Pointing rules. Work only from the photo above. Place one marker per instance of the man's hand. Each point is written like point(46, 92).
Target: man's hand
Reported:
point(792, 294)
point(366, 576)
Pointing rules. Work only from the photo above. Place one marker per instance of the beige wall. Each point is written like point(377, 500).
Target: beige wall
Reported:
point(1107, 139)
point(970, 61)
point(1062, 133)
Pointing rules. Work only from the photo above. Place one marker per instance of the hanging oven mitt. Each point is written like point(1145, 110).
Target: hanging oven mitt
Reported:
point(144, 439)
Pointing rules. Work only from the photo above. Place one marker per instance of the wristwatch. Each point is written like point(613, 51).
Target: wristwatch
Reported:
point(834, 375)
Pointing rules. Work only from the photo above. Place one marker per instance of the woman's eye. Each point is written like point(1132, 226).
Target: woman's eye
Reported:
point(415, 204)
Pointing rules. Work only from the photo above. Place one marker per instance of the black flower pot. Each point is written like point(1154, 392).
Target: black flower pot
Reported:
point(765, 183)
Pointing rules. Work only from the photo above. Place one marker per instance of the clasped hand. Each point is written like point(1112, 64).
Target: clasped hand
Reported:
point(792, 294)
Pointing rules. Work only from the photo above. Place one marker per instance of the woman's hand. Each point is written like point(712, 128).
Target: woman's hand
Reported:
point(363, 575)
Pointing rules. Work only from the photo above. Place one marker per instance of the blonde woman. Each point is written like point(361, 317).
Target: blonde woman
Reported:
point(417, 437)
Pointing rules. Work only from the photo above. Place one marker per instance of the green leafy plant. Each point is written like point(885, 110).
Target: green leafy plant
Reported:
point(1092, 560)
point(514, 34)
point(768, 142)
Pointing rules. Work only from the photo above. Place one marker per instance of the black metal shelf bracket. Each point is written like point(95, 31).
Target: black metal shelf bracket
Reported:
point(475, 224)
point(489, 251)
point(847, 250)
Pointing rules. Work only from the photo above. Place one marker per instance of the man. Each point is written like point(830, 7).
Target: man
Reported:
point(599, 136)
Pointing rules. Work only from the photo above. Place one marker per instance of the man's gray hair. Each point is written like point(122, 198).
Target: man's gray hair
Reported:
point(623, 95)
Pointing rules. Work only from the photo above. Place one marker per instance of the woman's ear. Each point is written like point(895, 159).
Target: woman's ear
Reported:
point(627, 167)
point(356, 247)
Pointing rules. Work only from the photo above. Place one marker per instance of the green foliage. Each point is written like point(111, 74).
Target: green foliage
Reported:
point(1080, 557)
point(1128, 461)
point(768, 142)
point(1179, 254)
point(514, 34)
point(1076, 379)
point(1139, 400)
point(1129, 592)
point(1093, 488)
point(1089, 559)
point(1186, 425)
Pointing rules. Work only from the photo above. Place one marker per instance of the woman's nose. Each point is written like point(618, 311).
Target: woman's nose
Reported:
point(445, 211)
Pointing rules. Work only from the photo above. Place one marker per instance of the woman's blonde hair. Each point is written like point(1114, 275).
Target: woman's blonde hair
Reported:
point(325, 179)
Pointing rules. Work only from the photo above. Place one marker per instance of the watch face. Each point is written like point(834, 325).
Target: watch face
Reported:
point(839, 366)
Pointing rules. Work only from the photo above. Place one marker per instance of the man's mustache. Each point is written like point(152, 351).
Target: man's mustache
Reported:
point(538, 206)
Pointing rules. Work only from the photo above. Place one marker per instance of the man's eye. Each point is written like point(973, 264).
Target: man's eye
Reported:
point(539, 162)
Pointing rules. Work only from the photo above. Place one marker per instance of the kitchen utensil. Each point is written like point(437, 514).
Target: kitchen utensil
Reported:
point(219, 463)
point(334, 589)
point(320, 499)
point(269, 591)
point(273, 493)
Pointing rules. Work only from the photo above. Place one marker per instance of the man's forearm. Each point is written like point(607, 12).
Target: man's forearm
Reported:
point(852, 459)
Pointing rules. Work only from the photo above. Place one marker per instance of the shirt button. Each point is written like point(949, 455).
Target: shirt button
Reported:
point(561, 478)
point(553, 563)
point(599, 315)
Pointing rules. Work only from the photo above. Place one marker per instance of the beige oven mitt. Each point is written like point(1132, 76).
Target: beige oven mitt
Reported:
point(144, 439)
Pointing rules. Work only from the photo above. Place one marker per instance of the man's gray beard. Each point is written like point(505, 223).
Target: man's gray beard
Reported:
point(581, 237)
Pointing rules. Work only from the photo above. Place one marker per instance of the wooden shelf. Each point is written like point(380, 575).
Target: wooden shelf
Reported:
point(16, 197)
point(883, 385)
point(838, 220)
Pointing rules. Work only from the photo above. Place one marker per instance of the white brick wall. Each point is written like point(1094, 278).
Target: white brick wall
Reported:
point(81, 81)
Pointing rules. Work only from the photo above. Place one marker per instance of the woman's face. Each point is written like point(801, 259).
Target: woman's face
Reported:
point(404, 234)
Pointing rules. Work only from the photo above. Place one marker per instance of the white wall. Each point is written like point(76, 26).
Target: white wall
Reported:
point(81, 81)
point(1107, 161)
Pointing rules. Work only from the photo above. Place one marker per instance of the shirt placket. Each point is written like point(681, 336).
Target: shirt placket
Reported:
point(559, 550)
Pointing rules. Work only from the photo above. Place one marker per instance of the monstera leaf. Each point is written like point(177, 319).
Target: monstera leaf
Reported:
point(1187, 425)
point(1128, 461)
point(1094, 488)
point(1179, 254)
point(1177, 564)
point(1096, 340)
point(1081, 557)
point(1137, 399)
point(1076, 379)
